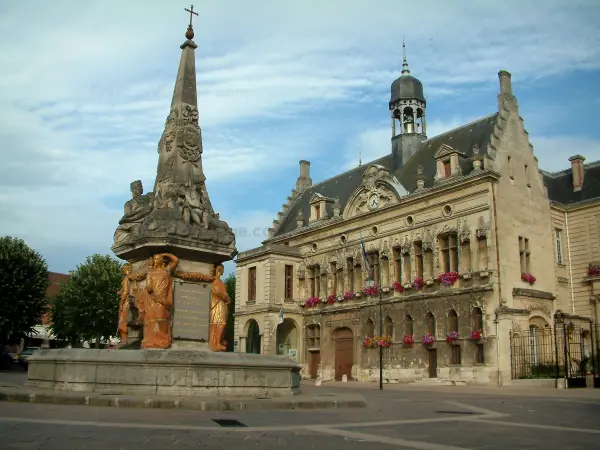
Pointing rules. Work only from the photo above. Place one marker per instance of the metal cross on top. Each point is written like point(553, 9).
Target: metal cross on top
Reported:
point(192, 13)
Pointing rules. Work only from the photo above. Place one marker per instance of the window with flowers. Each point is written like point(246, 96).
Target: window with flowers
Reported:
point(477, 319)
point(524, 254)
point(430, 323)
point(448, 244)
point(418, 246)
point(452, 321)
point(350, 268)
point(409, 325)
point(388, 327)
point(370, 328)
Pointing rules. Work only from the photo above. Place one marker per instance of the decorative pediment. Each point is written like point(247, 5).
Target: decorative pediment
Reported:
point(378, 189)
point(445, 151)
point(406, 246)
point(384, 250)
point(427, 240)
point(316, 198)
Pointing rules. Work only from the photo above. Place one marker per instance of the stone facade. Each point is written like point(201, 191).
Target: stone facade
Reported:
point(459, 232)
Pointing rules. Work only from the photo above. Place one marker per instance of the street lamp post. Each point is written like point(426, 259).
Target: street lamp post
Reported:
point(370, 281)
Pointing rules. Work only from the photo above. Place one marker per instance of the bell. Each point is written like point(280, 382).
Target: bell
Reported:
point(409, 127)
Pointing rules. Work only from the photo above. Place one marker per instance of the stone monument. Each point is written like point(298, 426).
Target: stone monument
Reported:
point(173, 305)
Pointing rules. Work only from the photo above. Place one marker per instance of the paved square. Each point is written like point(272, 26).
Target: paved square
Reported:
point(403, 417)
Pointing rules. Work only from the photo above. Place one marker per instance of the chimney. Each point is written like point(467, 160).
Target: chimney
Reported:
point(305, 169)
point(577, 172)
point(303, 180)
point(505, 82)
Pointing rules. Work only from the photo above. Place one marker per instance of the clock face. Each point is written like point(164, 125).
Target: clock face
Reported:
point(374, 201)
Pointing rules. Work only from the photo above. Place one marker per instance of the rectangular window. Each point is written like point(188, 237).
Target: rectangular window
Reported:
point(406, 269)
point(252, 284)
point(289, 277)
point(397, 265)
point(373, 259)
point(419, 259)
point(524, 254)
point(559, 252)
point(350, 281)
point(479, 355)
point(449, 253)
point(317, 212)
point(455, 354)
point(334, 278)
point(447, 168)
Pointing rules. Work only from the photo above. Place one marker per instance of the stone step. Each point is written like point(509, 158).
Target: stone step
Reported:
point(434, 381)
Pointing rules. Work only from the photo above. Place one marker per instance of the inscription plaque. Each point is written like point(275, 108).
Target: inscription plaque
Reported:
point(191, 309)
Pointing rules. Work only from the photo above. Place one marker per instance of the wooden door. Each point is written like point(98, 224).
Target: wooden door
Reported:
point(314, 359)
point(432, 363)
point(344, 352)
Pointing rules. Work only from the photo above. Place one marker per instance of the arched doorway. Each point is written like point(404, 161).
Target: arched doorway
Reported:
point(252, 337)
point(343, 343)
point(287, 338)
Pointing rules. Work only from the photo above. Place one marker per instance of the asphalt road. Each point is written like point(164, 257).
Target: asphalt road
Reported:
point(403, 417)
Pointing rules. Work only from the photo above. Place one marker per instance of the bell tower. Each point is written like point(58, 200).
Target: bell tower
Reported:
point(407, 109)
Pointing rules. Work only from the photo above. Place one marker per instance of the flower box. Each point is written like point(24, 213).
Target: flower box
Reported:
point(397, 286)
point(357, 295)
point(312, 302)
point(418, 283)
point(377, 341)
point(452, 337)
point(428, 339)
point(466, 276)
point(385, 290)
point(593, 271)
point(448, 278)
point(484, 274)
point(371, 291)
point(339, 298)
point(528, 278)
point(408, 339)
point(429, 282)
point(331, 299)
point(407, 286)
point(349, 295)
point(476, 335)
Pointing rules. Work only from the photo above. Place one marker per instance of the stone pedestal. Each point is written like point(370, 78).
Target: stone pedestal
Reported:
point(164, 372)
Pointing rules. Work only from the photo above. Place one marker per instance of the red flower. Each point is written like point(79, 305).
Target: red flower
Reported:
point(408, 339)
point(528, 278)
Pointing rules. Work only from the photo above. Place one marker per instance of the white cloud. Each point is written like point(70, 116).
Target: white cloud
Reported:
point(554, 152)
point(83, 107)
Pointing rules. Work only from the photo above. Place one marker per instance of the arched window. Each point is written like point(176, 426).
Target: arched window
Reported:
point(389, 327)
point(409, 325)
point(370, 328)
point(477, 317)
point(430, 322)
point(452, 321)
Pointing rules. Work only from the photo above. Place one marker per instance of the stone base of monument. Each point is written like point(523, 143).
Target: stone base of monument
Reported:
point(180, 372)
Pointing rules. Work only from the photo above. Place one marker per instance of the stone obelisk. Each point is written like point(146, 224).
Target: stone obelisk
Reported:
point(172, 234)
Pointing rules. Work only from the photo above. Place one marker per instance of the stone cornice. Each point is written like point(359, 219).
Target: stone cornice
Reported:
point(533, 293)
point(268, 250)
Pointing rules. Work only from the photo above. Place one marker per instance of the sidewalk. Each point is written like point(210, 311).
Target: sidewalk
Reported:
point(522, 391)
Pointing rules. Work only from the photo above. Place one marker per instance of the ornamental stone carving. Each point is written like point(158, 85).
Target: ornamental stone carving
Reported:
point(465, 233)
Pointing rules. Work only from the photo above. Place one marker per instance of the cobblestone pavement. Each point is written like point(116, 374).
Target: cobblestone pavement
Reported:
point(399, 417)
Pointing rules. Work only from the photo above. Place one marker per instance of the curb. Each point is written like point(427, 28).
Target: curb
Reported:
point(342, 401)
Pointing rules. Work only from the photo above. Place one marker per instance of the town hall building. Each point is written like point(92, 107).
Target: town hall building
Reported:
point(467, 241)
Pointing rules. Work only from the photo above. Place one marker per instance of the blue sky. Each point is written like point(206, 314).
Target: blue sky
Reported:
point(85, 91)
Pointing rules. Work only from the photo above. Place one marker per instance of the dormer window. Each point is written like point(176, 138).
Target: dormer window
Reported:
point(447, 159)
point(447, 168)
point(318, 207)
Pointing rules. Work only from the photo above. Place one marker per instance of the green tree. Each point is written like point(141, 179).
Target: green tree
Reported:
point(87, 307)
point(23, 283)
point(229, 329)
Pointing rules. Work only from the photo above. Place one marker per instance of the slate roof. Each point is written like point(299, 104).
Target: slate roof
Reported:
point(560, 185)
point(343, 185)
point(461, 139)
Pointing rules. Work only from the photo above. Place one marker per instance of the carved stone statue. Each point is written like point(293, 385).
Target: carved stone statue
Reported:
point(135, 211)
point(219, 310)
point(124, 304)
point(193, 206)
point(156, 301)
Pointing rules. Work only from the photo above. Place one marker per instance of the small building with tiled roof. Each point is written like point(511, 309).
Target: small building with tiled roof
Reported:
point(456, 253)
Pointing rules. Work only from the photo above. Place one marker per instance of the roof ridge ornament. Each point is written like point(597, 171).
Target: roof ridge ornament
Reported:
point(405, 69)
